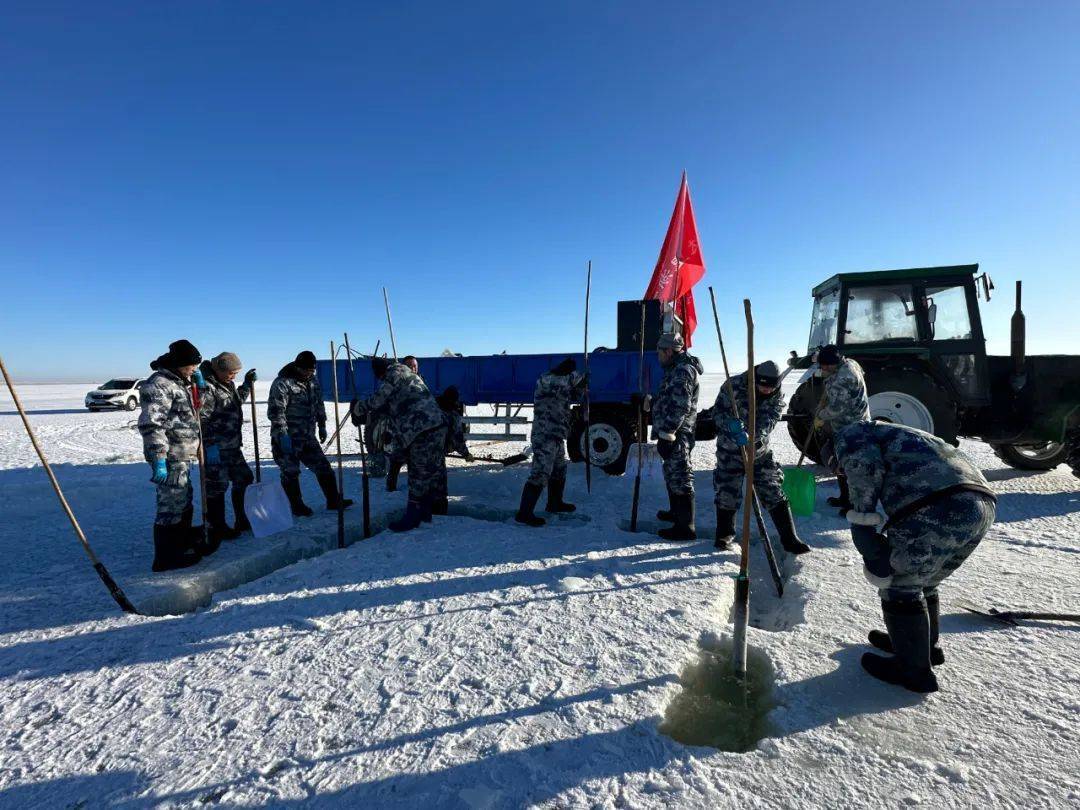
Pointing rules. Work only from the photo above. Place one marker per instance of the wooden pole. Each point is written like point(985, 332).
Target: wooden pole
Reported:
point(641, 422)
point(588, 418)
point(340, 471)
point(255, 436)
point(365, 483)
point(389, 322)
point(196, 401)
point(742, 583)
point(114, 590)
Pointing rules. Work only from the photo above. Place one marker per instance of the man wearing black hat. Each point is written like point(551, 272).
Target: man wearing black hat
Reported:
point(730, 471)
point(556, 392)
point(846, 403)
point(294, 408)
point(169, 426)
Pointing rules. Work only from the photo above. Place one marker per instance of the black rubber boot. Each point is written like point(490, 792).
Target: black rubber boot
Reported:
point(206, 543)
point(785, 527)
point(843, 503)
point(218, 528)
point(668, 515)
point(530, 494)
point(725, 527)
point(328, 483)
point(414, 515)
point(296, 500)
point(427, 508)
point(909, 631)
point(555, 502)
point(240, 521)
point(186, 516)
point(392, 474)
point(882, 641)
point(172, 549)
point(440, 505)
point(684, 528)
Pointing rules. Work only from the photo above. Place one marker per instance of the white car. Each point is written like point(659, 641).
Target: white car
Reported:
point(121, 393)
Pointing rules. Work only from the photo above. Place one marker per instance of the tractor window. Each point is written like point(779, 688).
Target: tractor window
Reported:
point(962, 369)
point(823, 322)
point(947, 309)
point(877, 314)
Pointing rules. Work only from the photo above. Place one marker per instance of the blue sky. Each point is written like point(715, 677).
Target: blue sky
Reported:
point(248, 175)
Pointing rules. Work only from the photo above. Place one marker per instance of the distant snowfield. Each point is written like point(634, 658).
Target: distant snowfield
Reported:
point(476, 663)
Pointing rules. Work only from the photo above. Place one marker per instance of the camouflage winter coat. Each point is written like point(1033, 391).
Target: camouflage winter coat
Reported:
point(898, 465)
point(168, 424)
point(295, 405)
point(404, 398)
point(675, 408)
point(222, 410)
point(769, 411)
point(455, 433)
point(846, 401)
point(553, 398)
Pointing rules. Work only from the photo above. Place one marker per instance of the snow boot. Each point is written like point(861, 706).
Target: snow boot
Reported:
point(555, 502)
point(882, 641)
point(684, 529)
point(785, 527)
point(440, 505)
point(843, 503)
point(240, 521)
point(204, 542)
point(530, 494)
point(909, 631)
point(171, 548)
point(725, 527)
point(328, 483)
point(413, 517)
point(216, 525)
point(296, 500)
point(668, 515)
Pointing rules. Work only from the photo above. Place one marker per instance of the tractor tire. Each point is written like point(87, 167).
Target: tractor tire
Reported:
point(612, 435)
point(1040, 458)
point(912, 398)
point(800, 419)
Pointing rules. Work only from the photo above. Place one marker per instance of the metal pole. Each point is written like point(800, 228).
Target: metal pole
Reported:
point(365, 484)
point(588, 418)
point(389, 322)
point(742, 583)
point(641, 422)
point(114, 590)
point(340, 471)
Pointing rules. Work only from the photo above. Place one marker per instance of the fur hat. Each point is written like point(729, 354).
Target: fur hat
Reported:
point(565, 367)
point(670, 340)
point(226, 362)
point(829, 356)
point(305, 360)
point(767, 374)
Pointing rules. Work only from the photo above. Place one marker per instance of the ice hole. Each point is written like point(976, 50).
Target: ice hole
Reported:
point(717, 709)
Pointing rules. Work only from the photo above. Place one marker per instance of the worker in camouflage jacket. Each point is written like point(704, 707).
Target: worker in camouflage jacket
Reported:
point(731, 443)
point(938, 508)
point(419, 427)
point(295, 409)
point(674, 418)
point(170, 431)
point(449, 402)
point(845, 403)
point(556, 393)
point(222, 414)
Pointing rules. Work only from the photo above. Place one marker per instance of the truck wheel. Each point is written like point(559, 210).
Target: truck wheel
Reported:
point(800, 418)
point(611, 436)
point(1032, 457)
point(913, 399)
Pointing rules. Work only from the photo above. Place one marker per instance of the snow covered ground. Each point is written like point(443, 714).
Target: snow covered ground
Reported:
point(476, 663)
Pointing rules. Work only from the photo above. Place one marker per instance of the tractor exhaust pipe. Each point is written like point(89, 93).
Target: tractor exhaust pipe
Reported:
point(1018, 344)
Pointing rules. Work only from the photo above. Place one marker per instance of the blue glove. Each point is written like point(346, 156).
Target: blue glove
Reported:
point(736, 431)
point(161, 471)
point(286, 442)
point(199, 380)
point(213, 454)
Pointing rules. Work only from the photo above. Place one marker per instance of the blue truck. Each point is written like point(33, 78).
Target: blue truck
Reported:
point(506, 382)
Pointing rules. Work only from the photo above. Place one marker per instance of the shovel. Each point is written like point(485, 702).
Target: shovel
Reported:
point(651, 464)
point(266, 505)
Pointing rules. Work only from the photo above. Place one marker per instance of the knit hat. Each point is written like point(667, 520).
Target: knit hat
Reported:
point(828, 356)
point(671, 341)
point(565, 367)
point(226, 362)
point(182, 353)
point(767, 374)
point(305, 360)
point(379, 365)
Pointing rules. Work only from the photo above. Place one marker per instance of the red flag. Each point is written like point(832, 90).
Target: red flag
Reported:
point(680, 265)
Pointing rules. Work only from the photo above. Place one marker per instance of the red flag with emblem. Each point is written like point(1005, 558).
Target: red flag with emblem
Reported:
point(680, 265)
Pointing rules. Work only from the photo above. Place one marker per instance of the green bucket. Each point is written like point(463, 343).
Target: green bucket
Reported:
point(800, 486)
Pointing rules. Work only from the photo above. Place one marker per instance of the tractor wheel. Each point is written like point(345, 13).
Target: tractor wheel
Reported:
point(611, 434)
point(800, 418)
point(913, 399)
point(1032, 457)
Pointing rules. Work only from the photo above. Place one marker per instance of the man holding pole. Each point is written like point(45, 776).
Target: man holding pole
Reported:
point(222, 417)
point(730, 467)
point(674, 416)
point(169, 426)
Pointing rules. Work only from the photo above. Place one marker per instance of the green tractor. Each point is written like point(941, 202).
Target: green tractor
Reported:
point(919, 338)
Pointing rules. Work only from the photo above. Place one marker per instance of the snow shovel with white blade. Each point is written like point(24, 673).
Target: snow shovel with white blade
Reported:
point(651, 463)
point(266, 505)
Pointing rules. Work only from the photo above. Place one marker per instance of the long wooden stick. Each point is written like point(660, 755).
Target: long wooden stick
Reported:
point(255, 436)
point(588, 418)
point(340, 470)
point(389, 322)
point(766, 541)
point(641, 423)
point(196, 401)
point(114, 590)
point(364, 481)
point(742, 583)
